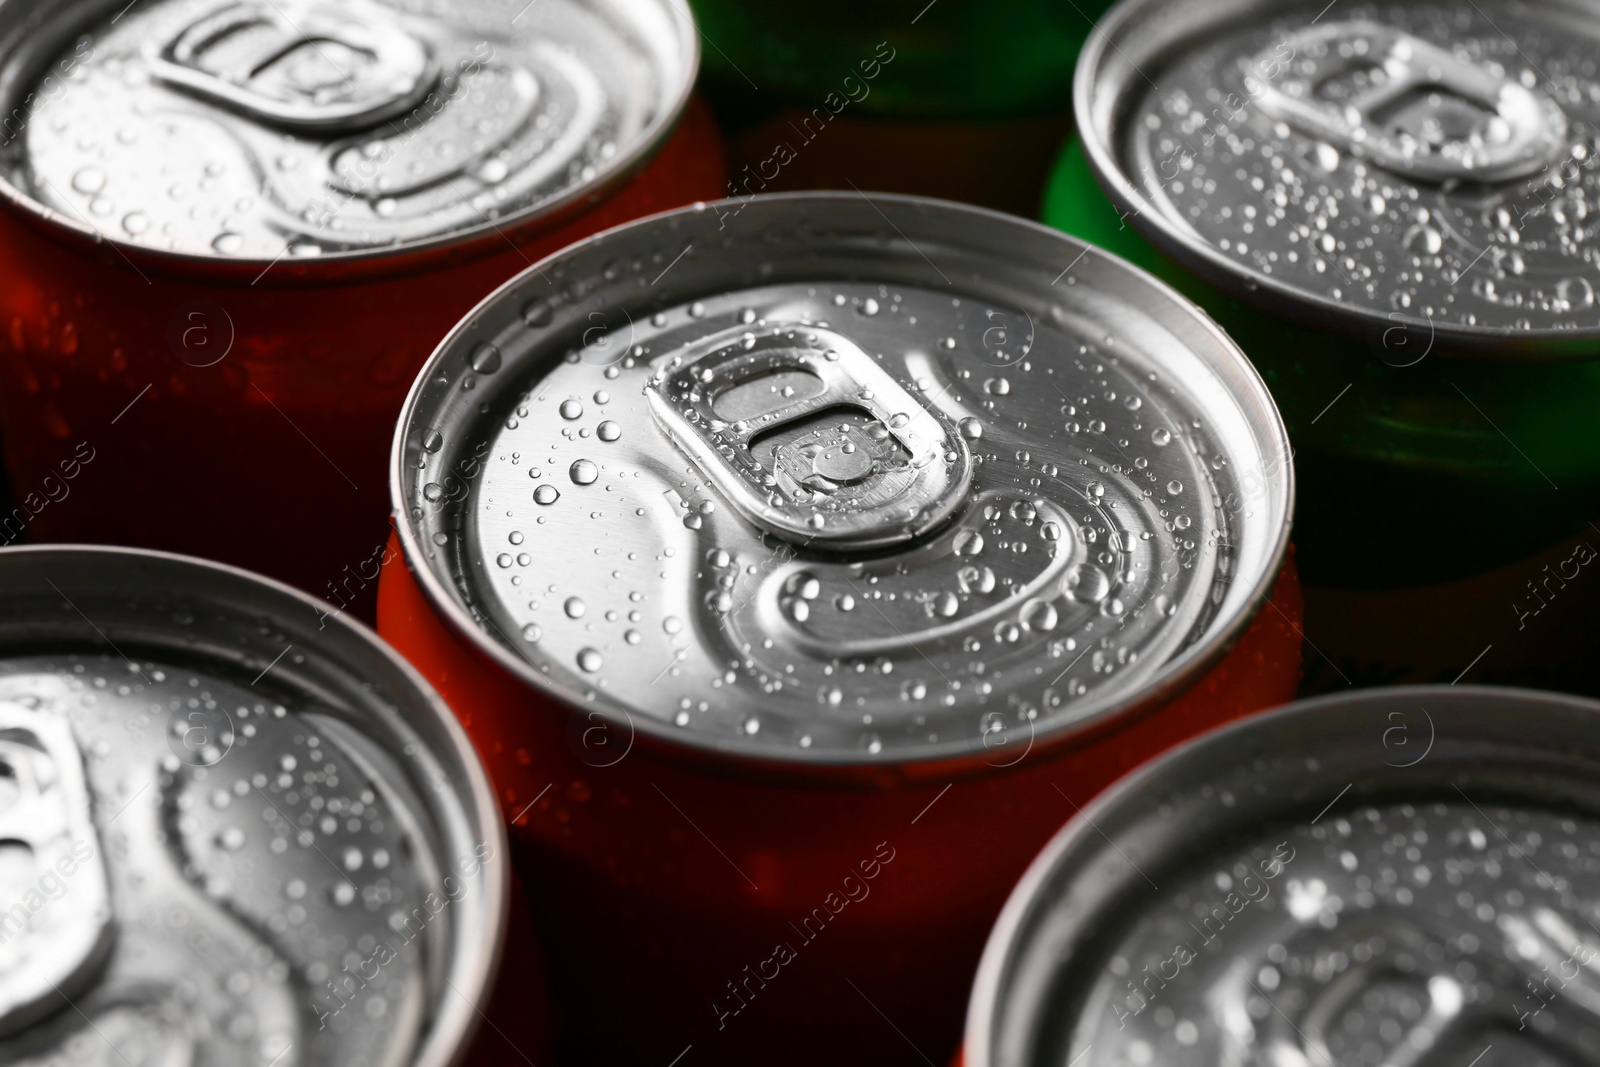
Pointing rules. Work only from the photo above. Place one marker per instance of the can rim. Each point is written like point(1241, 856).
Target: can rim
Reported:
point(455, 1020)
point(1006, 936)
point(1180, 672)
point(1096, 123)
point(542, 215)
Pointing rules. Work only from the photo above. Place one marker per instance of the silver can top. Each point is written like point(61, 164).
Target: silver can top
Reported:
point(824, 479)
point(233, 830)
point(1425, 167)
point(263, 129)
point(1398, 876)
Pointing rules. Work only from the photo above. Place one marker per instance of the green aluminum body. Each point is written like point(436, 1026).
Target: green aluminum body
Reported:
point(1414, 469)
point(952, 60)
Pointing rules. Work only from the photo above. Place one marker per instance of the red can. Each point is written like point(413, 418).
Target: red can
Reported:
point(219, 286)
point(799, 565)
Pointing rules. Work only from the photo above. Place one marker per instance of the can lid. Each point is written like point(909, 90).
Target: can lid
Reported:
point(1382, 877)
point(1418, 168)
point(261, 129)
point(233, 828)
point(821, 479)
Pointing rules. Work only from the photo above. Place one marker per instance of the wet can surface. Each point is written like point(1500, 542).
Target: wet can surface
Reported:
point(232, 232)
point(797, 565)
point(1405, 875)
point(1387, 206)
point(959, 99)
point(233, 834)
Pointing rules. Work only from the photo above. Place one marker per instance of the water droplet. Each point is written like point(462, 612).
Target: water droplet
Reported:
point(583, 472)
point(1174, 487)
point(997, 387)
point(485, 358)
point(546, 494)
point(433, 492)
point(590, 660)
point(1039, 615)
point(1023, 511)
point(1050, 531)
point(571, 408)
point(136, 222)
point(1161, 436)
point(536, 313)
point(227, 242)
point(608, 431)
point(844, 602)
point(968, 543)
point(1088, 584)
point(869, 307)
point(970, 428)
point(672, 624)
point(433, 441)
point(89, 180)
point(531, 632)
point(574, 607)
point(976, 579)
point(1424, 240)
point(1575, 292)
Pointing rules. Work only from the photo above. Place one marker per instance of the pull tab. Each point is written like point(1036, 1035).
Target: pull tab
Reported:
point(809, 438)
point(55, 909)
point(1409, 106)
point(304, 66)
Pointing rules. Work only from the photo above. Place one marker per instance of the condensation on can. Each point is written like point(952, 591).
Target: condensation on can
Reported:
point(1371, 877)
point(232, 833)
point(263, 131)
point(1415, 173)
point(821, 500)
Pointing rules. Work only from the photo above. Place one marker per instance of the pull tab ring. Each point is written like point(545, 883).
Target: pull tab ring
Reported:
point(301, 66)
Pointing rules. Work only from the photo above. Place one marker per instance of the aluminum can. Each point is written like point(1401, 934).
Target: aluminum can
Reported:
point(959, 99)
point(234, 833)
point(1386, 206)
point(1399, 875)
point(797, 565)
point(232, 231)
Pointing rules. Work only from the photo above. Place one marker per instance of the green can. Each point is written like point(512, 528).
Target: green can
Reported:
point(1393, 210)
point(947, 98)
point(945, 60)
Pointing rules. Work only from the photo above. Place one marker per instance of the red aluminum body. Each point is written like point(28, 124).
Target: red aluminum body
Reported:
point(759, 915)
point(246, 415)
